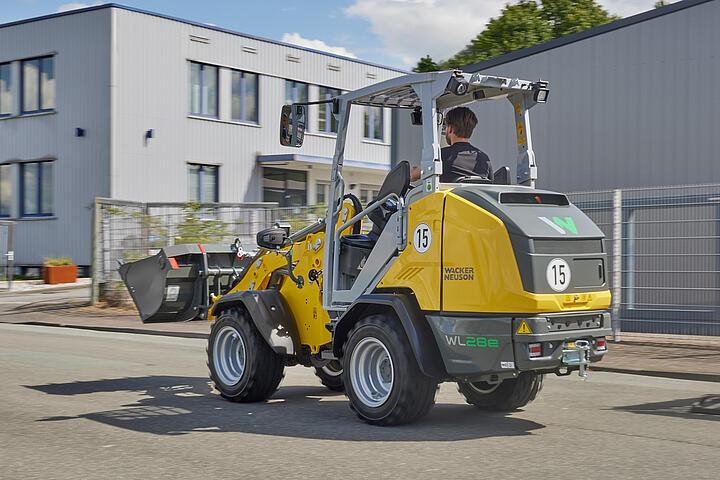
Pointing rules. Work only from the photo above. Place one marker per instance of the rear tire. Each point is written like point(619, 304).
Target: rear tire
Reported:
point(242, 365)
point(507, 396)
point(331, 376)
point(382, 378)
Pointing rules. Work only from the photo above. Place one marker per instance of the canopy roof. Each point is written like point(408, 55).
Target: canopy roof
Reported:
point(401, 92)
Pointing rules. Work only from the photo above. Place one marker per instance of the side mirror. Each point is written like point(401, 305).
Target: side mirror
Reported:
point(292, 125)
point(273, 238)
point(416, 116)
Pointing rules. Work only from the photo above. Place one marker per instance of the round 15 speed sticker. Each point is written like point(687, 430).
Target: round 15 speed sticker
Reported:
point(558, 274)
point(422, 238)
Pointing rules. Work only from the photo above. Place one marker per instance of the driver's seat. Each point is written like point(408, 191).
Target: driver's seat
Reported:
point(397, 181)
point(355, 249)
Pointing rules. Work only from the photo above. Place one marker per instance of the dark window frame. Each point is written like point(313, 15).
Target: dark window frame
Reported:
point(325, 110)
point(286, 174)
point(242, 93)
point(201, 183)
point(12, 100)
point(295, 90)
point(10, 168)
point(200, 92)
point(39, 85)
point(39, 199)
point(369, 124)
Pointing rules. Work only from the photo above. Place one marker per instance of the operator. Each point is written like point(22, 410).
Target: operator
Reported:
point(460, 158)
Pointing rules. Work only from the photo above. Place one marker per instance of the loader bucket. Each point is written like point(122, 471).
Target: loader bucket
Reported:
point(175, 284)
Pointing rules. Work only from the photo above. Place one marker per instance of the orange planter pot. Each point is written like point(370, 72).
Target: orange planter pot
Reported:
point(60, 274)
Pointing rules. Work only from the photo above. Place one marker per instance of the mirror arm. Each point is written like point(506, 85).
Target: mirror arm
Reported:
point(299, 281)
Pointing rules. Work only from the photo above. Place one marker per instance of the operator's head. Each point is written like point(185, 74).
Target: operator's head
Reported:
point(460, 123)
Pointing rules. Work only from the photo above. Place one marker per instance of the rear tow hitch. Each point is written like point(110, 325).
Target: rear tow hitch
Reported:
point(577, 354)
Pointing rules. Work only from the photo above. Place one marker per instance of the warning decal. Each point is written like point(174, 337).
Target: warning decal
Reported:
point(524, 329)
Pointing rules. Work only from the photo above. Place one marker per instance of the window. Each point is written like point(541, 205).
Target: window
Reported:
point(203, 183)
point(5, 190)
point(286, 187)
point(373, 123)
point(38, 85)
point(326, 120)
point(368, 194)
point(6, 100)
point(296, 92)
point(244, 96)
point(322, 192)
point(36, 187)
point(203, 90)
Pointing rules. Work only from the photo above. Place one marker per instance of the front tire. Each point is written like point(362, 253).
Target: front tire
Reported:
point(382, 378)
point(330, 375)
point(506, 396)
point(242, 365)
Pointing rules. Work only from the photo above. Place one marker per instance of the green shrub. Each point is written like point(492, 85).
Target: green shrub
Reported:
point(57, 261)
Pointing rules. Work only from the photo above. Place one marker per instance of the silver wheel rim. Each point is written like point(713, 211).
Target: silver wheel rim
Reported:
point(229, 355)
point(332, 369)
point(484, 387)
point(371, 372)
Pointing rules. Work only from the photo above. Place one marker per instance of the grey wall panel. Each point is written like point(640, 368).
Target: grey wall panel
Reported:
point(632, 107)
point(81, 44)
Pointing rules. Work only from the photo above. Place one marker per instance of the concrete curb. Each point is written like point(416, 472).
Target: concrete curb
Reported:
point(698, 377)
point(141, 331)
point(60, 288)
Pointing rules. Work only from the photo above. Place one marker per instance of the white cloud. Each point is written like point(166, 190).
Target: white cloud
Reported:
point(65, 7)
point(297, 39)
point(626, 8)
point(411, 29)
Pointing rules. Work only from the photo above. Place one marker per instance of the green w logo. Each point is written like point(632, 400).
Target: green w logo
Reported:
point(562, 225)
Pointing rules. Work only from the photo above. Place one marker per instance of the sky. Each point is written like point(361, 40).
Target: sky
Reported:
point(389, 32)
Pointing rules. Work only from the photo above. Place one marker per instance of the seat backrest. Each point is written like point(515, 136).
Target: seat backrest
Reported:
point(397, 181)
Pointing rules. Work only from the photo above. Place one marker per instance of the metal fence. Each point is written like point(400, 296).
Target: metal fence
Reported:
point(7, 254)
point(663, 247)
point(126, 231)
point(664, 256)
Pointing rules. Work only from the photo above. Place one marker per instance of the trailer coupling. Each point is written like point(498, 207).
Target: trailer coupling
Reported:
point(577, 354)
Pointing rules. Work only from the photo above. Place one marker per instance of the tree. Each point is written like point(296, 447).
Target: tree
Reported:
point(571, 16)
point(426, 64)
point(524, 24)
point(661, 3)
point(518, 26)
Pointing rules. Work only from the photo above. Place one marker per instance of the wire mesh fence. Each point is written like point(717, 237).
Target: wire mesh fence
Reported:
point(663, 246)
point(128, 231)
point(664, 256)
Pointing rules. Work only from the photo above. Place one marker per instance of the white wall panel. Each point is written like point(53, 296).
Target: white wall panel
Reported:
point(81, 44)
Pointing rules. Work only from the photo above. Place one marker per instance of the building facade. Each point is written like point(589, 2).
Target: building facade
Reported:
point(115, 102)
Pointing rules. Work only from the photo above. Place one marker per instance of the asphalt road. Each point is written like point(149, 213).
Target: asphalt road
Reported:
point(78, 404)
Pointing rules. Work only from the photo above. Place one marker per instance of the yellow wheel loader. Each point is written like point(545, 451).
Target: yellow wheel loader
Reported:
point(484, 283)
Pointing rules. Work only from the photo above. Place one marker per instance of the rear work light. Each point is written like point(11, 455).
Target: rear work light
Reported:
point(600, 344)
point(535, 349)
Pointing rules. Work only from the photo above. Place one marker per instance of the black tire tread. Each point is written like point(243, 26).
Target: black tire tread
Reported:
point(331, 383)
point(267, 369)
point(510, 395)
point(417, 399)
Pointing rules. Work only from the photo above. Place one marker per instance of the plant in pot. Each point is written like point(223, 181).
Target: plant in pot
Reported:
point(59, 270)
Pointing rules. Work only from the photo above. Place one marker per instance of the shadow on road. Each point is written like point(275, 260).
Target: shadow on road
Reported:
point(675, 408)
point(174, 405)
